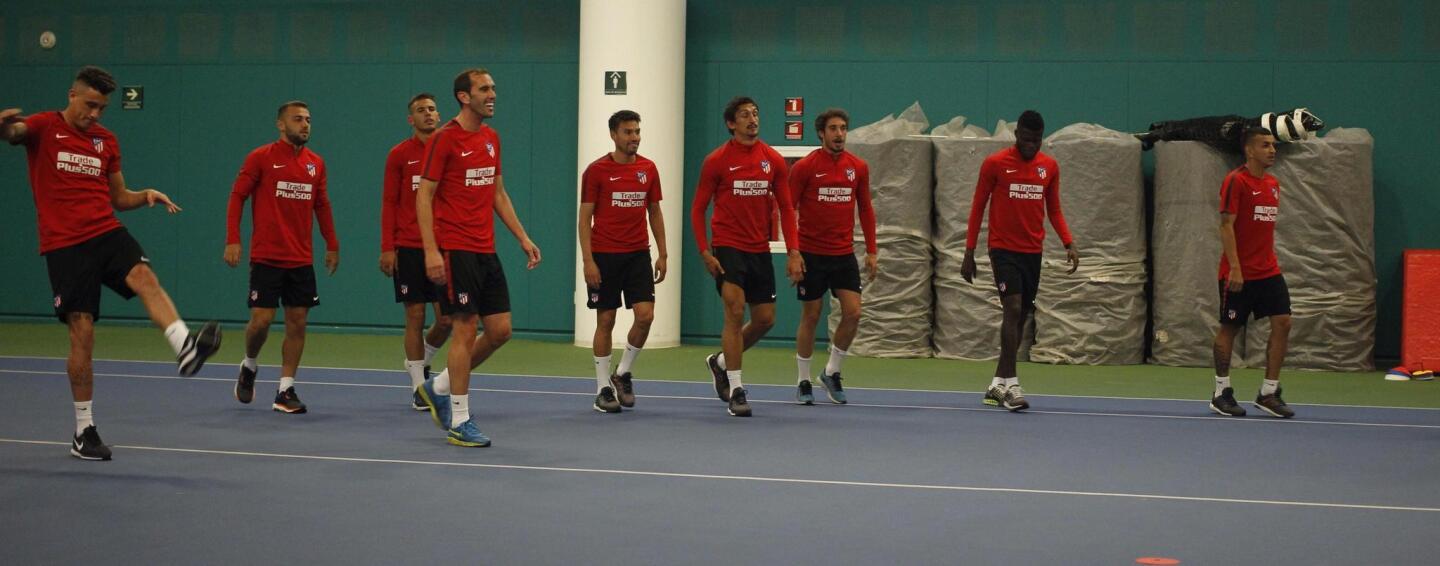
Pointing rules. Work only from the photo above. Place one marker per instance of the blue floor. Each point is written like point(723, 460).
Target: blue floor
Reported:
point(894, 477)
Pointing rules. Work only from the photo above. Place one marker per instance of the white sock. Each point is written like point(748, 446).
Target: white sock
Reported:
point(84, 416)
point(627, 359)
point(602, 372)
point(721, 360)
point(1269, 387)
point(837, 357)
point(429, 351)
point(734, 377)
point(442, 382)
point(286, 383)
point(804, 365)
point(249, 363)
point(1221, 383)
point(459, 409)
point(416, 369)
point(997, 381)
point(1012, 382)
point(175, 334)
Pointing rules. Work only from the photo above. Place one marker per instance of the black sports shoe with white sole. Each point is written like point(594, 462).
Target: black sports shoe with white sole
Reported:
point(199, 346)
point(1226, 405)
point(245, 385)
point(88, 446)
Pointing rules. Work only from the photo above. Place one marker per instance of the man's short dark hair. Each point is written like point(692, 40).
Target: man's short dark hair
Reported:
point(96, 78)
point(1031, 120)
point(621, 117)
point(1253, 132)
point(288, 105)
point(463, 82)
point(734, 106)
point(824, 118)
point(418, 98)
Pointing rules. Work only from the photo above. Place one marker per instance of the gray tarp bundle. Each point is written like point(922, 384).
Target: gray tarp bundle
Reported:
point(967, 315)
point(1324, 239)
point(1096, 315)
point(895, 321)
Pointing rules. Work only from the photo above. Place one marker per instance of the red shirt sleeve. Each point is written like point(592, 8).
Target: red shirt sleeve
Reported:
point(1052, 207)
point(589, 186)
point(36, 126)
point(781, 188)
point(323, 212)
point(113, 146)
point(704, 191)
point(245, 184)
point(437, 151)
point(390, 201)
point(1229, 198)
point(867, 212)
point(983, 186)
point(797, 182)
point(654, 195)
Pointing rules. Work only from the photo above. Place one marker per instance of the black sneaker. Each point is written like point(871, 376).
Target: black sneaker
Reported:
point(722, 383)
point(1274, 405)
point(994, 395)
point(199, 346)
point(739, 406)
point(245, 385)
point(624, 388)
point(605, 401)
point(833, 389)
point(805, 393)
point(417, 402)
point(288, 402)
point(1014, 400)
point(88, 446)
point(1225, 404)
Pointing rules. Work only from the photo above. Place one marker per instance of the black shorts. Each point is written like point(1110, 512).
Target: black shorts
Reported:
point(271, 286)
point(78, 271)
point(752, 272)
point(629, 273)
point(411, 284)
point(475, 284)
point(1262, 297)
point(828, 272)
point(1016, 272)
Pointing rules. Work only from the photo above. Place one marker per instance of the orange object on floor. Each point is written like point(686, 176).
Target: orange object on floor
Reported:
point(1420, 311)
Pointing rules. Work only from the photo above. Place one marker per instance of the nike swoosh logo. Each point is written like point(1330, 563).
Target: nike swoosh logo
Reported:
point(1011, 170)
point(1255, 194)
point(466, 153)
point(276, 166)
point(77, 444)
point(60, 137)
point(614, 178)
point(412, 162)
point(736, 167)
point(819, 174)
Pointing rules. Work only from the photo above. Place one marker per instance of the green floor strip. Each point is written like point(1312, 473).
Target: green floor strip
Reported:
point(762, 365)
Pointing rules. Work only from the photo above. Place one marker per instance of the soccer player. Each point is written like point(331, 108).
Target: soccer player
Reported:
point(829, 185)
point(401, 255)
point(746, 179)
point(1022, 186)
point(461, 192)
point(75, 176)
point(1250, 278)
point(287, 181)
point(617, 191)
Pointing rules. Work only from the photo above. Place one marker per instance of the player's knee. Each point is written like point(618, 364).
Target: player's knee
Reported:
point(141, 279)
point(499, 336)
point(1280, 324)
point(82, 329)
point(735, 314)
point(442, 324)
point(644, 318)
point(415, 317)
point(763, 320)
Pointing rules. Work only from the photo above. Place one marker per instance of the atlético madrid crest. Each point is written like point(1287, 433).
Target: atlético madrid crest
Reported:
point(850, 173)
point(642, 177)
point(310, 167)
point(1042, 172)
point(490, 149)
point(765, 165)
point(99, 145)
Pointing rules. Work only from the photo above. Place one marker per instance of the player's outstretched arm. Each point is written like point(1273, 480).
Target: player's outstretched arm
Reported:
point(12, 126)
point(506, 210)
point(124, 199)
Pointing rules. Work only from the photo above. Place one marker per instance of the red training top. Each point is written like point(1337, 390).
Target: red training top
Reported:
point(1020, 194)
point(289, 188)
point(827, 189)
point(741, 179)
point(1255, 202)
point(465, 165)
point(621, 194)
point(70, 178)
point(398, 227)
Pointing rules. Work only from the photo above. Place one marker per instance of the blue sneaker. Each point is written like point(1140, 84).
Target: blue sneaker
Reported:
point(803, 394)
point(438, 404)
point(833, 389)
point(467, 434)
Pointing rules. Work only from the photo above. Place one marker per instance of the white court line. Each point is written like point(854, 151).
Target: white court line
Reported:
point(768, 479)
point(941, 391)
point(1207, 418)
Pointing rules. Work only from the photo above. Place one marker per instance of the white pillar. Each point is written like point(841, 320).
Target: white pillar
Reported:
point(646, 40)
